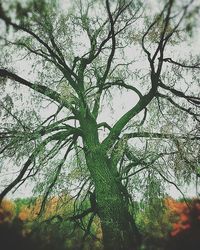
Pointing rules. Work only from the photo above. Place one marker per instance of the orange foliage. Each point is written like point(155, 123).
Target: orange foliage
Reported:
point(24, 214)
point(175, 206)
point(7, 211)
point(52, 206)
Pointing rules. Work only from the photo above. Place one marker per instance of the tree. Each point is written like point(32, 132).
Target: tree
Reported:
point(185, 224)
point(79, 56)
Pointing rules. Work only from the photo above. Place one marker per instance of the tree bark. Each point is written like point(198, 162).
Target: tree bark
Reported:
point(119, 230)
point(118, 227)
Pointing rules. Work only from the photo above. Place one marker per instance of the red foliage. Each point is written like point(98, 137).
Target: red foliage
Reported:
point(183, 216)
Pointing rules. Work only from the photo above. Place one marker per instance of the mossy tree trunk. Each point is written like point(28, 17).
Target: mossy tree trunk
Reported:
point(117, 223)
point(119, 230)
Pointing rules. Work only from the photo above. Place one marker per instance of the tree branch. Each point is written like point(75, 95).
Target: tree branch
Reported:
point(169, 60)
point(59, 167)
point(192, 99)
point(119, 125)
point(179, 107)
point(25, 168)
point(39, 88)
point(160, 135)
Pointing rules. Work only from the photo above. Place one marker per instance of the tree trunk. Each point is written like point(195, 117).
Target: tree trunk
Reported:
point(119, 230)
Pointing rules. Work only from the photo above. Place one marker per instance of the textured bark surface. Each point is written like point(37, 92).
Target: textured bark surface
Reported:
point(119, 230)
point(118, 227)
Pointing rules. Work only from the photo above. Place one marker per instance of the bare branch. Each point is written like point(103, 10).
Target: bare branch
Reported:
point(160, 135)
point(169, 60)
point(179, 106)
point(194, 99)
point(121, 83)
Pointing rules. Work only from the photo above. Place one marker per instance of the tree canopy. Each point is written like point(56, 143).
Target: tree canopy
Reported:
point(62, 65)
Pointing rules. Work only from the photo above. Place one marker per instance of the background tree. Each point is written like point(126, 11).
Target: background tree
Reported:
point(67, 62)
